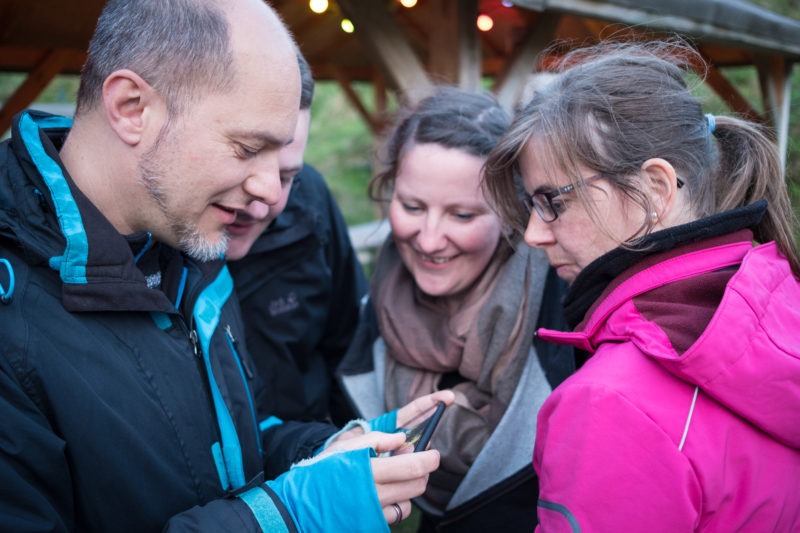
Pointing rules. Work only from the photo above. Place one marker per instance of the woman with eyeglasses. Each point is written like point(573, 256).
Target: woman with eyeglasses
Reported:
point(454, 305)
point(674, 230)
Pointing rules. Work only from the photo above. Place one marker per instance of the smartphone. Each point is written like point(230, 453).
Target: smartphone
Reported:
point(420, 435)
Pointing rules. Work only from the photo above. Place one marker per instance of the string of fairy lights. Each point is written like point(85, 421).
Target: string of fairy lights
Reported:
point(484, 22)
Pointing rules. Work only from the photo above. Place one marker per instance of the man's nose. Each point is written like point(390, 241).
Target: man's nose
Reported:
point(264, 182)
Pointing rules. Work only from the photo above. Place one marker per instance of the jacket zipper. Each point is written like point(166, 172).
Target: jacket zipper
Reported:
point(235, 348)
point(246, 373)
point(194, 341)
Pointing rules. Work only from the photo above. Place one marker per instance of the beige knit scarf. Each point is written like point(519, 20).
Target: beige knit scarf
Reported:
point(484, 334)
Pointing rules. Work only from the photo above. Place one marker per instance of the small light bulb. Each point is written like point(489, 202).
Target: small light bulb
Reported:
point(318, 6)
point(347, 26)
point(408, 3)
point(485, 22)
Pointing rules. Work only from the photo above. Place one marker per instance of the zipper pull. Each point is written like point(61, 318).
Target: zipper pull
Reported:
point(228, 331)
point(195, 342)
point(235, 347)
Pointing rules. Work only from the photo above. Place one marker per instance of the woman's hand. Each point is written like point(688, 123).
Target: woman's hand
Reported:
point(418, 410)
point(409, 415)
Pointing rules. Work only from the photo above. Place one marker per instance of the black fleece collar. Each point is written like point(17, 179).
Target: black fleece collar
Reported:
point(594, 279)
point(102, 270)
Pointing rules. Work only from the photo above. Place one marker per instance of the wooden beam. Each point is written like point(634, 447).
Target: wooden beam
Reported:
point(325, 71)
point(601, 30)
point(42, 74)
point(469, 46)
point(25, 59)
point(415, 32)
point(453, 44)
point(657, 15)
point(381, 100)
point(775, 75)
point(443, 49)
point(327, 45)
point(355, 101)
point(9, 10)
point(382, 38)
point(728, 93)
point(510, 84)
point(315, 33)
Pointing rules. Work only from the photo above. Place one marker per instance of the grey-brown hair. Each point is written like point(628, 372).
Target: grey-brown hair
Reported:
point(451, 117)
point(615, 105)
point(180, 47)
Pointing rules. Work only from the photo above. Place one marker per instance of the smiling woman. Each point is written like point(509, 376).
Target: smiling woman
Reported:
point(443, 228)
point(454, 305)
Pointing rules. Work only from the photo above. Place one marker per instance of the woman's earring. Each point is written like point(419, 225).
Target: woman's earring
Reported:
point(654, 215)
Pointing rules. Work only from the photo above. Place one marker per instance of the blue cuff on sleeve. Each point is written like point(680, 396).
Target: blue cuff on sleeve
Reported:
point(386, 423)
point(264, 509)
point(313, 495)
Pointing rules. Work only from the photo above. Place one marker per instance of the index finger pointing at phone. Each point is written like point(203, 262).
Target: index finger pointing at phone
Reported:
point(418, 410)
point(419, 436)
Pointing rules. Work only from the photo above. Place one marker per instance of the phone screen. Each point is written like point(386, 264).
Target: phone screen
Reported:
point(420, 435)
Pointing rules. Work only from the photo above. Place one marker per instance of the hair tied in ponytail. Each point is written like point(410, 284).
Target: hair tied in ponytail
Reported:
point(712, 123)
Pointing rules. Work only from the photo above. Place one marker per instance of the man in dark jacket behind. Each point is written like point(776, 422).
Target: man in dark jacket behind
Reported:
point(126, 402)
point(299, 282)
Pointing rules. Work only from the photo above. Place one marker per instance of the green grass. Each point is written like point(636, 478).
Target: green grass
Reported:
point(340, 146)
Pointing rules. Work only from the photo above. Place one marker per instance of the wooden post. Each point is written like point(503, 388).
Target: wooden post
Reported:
point(42, 74)
point(379, 33)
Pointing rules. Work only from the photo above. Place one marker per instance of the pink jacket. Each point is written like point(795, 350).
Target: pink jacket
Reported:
point(643, 438)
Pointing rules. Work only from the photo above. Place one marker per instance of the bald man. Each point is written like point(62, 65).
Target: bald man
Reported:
point(127, 401)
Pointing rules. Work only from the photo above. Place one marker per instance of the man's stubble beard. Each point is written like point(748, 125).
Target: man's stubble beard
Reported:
point(191, 241)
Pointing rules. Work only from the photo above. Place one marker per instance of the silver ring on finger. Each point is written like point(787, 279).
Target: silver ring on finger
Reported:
point(399, 512)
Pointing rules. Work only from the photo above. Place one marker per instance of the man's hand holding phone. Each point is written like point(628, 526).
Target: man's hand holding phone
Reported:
point(420, 435)
point(422, 416)
point(400, 475)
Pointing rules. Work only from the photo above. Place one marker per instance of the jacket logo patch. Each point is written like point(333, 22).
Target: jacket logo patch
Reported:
point(153, 280)
point(283, 304)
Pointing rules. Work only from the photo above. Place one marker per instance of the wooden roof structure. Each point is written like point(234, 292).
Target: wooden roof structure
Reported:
point(405, 50)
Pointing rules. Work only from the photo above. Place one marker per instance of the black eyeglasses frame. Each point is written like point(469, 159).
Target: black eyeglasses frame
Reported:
point(545, 209)
point(542, 202)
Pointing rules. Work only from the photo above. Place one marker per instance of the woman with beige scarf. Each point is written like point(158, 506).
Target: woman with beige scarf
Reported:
point(454, 304)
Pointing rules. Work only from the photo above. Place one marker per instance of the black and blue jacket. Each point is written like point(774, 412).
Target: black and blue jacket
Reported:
point(299, 288)
point(127, 401)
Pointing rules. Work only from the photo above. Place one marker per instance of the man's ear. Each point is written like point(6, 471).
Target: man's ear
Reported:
point(662, 185)
point(131, 105)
